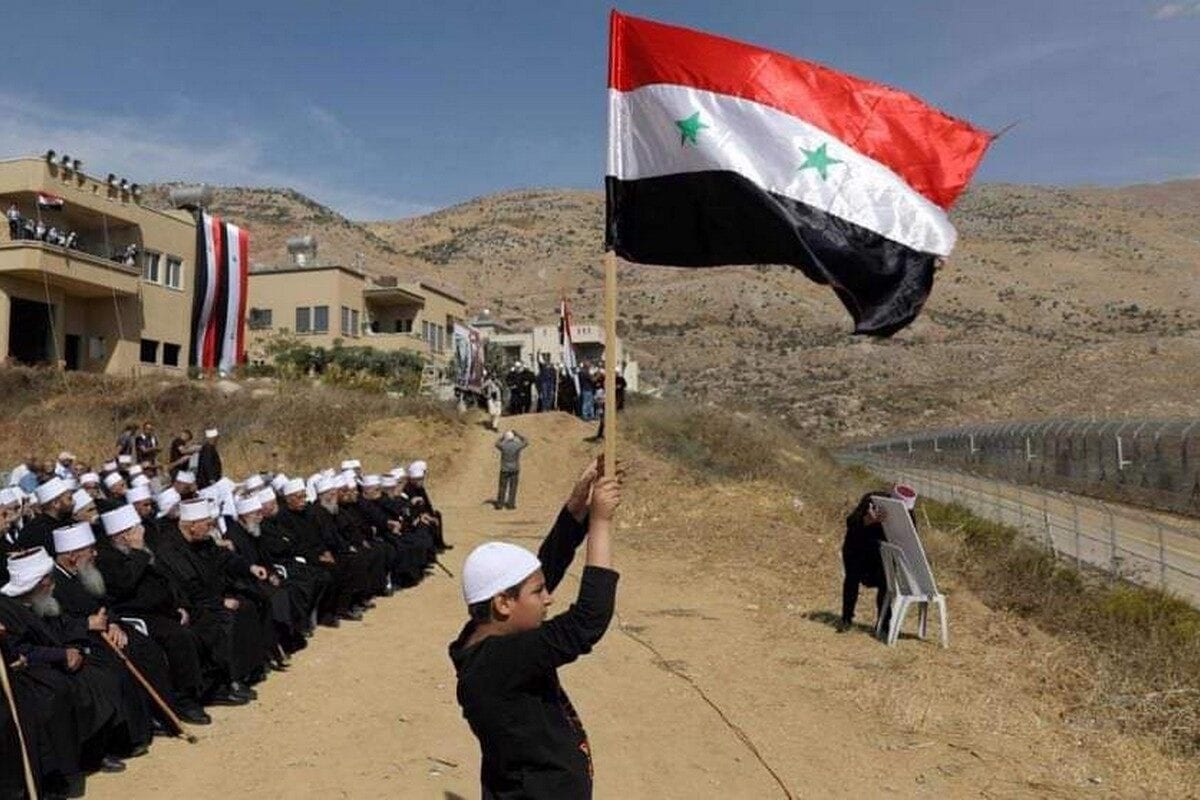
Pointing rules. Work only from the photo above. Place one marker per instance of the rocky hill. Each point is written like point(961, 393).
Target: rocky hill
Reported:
point(1056, 302)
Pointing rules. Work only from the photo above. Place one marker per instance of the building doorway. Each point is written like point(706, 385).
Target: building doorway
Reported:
point(71, 351)
point(29, 332)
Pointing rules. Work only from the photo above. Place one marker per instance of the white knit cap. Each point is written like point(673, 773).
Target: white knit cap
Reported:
point(348, 464)
point(254, 483)
point(138, 493)
point(388, 481)
point(125, 459)
point(279, 481)
point(55, 487)
point(294, 486)
point(194, 510)
point(81, 500)
point(109, 466)
point(399, 472)
point(325, 485)
point(89, 479)
point(493, 567)
point(73, 537)
point(211, 433)
point(112, 479)
point(906, 495)
point(120, 519)
point(225, 485)
point(266, 496)
point(136, 469)
point(417, 469)
point(10, 496)
point(24, 572)
point(349, 478)
point(140, 480)
point(371, 480)
point(183, 476)
point(248, 505)
point(167, 499)
point(71, 483)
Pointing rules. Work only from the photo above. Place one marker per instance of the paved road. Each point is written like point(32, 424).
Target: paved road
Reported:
point(1145, 547)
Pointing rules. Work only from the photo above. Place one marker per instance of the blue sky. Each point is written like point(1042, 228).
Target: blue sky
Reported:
point(387, 109)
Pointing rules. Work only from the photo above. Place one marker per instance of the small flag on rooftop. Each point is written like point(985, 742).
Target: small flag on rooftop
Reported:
point(724, 153)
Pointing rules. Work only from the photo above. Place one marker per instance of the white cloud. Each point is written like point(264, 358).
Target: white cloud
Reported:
point(1176, 10)
point(189, 143)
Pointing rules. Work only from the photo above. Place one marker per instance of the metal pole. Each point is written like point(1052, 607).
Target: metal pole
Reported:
point(1114, 566)
point(1162, 557)
point(1075, 514)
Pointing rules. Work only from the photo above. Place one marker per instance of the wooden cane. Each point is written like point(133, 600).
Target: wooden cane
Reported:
point(30, 783)
point(443, 568)
point(181, 732)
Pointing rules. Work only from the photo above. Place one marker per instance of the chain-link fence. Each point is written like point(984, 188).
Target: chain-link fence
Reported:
point(1152, 463)
point(1143, 547)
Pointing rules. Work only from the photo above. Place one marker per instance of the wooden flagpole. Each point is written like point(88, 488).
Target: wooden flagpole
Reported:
point(30, 783)
point(610, 363)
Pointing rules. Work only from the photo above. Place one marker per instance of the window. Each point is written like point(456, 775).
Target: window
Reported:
point(150, 261)
point(346, 330)
point(404, 326)
point(149, 351)
point(303, 319)
point(170, 354)
point(259, 319)
point(96, 348)
point(174, 277)
point(354, 322)
point(320, 321)
point(426, 333)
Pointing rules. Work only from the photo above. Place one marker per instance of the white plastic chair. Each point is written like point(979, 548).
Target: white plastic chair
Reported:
point(903, 592)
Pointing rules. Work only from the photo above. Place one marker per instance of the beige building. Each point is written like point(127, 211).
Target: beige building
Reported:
point(73, 292)
point(325, 303)
point(531, 347)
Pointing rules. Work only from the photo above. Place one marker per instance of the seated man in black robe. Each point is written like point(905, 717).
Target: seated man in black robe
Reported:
point(359, 529)
point(361, 573)
point(418, 498)
point(307, 582)
point(287, 616)
point(136, 588)
point(54, 508)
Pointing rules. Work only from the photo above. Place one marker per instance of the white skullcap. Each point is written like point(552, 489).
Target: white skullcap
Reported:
point(71, 483)
point(266, 496)
point(135, 470)
point(347, 464)
point(371, 480)
point(388, 482)
point(10, 496)
point(279, 481)
point(183, 476)
point(225, 486)
point(254, 482)
point(109, 466)
point(906, 495)
point(399, 472)
point(328, 472)
point(120, 519)
point(349, 477)
point(326, 484)
point(194, 510)
point(138, 493)
point(75, 536)
point(112, 479)
point(211, 433)
point(25, 571)
point(66, 455)
point(125, 459)
point(89, 479)
point(140, 480)
point(81, 500)
point(493, 567)
point(168, 499)
point(417, 469)
point(293, 486)
point(248, 505)
point(55, 487)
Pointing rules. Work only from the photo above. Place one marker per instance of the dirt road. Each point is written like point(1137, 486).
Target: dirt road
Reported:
point(704, 688)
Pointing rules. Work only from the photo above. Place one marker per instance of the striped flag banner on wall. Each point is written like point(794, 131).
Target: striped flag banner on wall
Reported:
point(721, 152)
point(219, 299)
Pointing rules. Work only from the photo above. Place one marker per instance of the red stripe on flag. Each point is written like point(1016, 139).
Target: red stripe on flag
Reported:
point(933, 152)
point(218, 268)
point(243, 278)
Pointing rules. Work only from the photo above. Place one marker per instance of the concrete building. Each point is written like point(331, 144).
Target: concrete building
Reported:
point(98, 305)
point(541, 343)
point(324, 303)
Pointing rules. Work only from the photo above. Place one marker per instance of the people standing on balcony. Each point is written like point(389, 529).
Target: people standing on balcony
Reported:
point(14, 221)
point(39, 231)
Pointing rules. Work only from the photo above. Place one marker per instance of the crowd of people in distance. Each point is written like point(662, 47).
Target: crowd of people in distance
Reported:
point(579, 391)
point(170, 570)
point(22, 228)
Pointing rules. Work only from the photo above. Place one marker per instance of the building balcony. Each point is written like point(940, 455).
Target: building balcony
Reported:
point(75, 272)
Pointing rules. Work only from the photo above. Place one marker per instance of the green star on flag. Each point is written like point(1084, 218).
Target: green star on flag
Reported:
point(819, 160)
point(689, 128)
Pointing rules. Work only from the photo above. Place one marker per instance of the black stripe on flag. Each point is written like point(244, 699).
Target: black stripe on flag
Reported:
point(200, 287)
point(705, 219)
point(221, 303)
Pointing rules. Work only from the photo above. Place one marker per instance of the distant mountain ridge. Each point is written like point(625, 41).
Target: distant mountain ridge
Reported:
point(1057, 301)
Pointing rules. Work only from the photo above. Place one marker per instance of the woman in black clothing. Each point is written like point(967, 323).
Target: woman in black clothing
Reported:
point(860, 557)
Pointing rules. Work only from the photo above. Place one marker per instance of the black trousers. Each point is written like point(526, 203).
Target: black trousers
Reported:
point(506, 492)
point(850, 586)
point(182, 649)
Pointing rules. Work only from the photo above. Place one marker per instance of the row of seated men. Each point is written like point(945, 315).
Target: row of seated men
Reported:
point(205, 592)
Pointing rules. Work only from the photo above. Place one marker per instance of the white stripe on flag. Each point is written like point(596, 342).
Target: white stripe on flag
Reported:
point(210, 289)
point(227, 359)
point(766, 147)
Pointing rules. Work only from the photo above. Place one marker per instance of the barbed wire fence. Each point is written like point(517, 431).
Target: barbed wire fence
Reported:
point(1130, 544)
point(1145, 462)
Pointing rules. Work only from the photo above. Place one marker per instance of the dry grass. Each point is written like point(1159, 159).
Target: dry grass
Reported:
point(287, 426)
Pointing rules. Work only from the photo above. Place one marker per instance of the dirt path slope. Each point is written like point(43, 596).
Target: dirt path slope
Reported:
point(699, 690)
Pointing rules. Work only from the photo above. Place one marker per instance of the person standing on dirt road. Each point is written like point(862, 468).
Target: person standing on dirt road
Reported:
point(507, 655)
point(510, 446)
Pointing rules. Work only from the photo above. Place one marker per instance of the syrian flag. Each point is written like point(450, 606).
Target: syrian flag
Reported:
point(564, 335)
point(724, 153)
point(219, 295)
point(49, 201)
